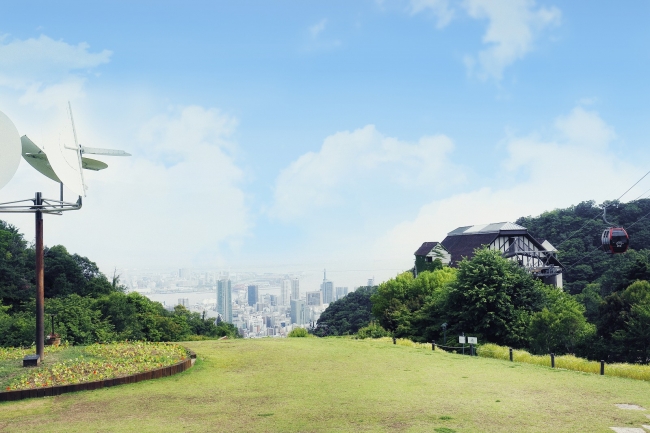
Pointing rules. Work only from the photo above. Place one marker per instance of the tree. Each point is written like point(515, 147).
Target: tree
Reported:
point(625, 323)
point(16, 267)
point(493, 298)
point(70, 273)
point(411, 307)
point(346, 315)
point(77, 321)
point(561, 325)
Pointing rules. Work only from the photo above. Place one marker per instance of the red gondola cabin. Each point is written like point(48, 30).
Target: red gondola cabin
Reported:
point(615, 240)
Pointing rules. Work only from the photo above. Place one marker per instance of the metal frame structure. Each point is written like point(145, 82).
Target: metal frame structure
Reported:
point(38, 207)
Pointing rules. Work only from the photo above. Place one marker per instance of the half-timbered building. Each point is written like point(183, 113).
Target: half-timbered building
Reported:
point(512, 240)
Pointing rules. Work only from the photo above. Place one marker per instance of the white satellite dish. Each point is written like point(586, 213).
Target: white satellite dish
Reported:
point(9, 149)
point(63, 162)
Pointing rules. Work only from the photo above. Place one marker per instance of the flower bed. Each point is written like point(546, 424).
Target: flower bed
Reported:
point(103, 361)
point(9, 353)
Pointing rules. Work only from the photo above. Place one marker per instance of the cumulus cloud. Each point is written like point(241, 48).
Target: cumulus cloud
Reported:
point(576, 164)
point(350, 164)
point(43, 59)
point(514, 26)
point(151, 210)
point(178, 200)
point(46, 72)
point(439, 8)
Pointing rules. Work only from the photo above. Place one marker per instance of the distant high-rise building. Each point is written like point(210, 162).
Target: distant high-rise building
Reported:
point(253, 294)
point(314, 298)
point(185, 302)
point(298, 312)
point(273, 300)
point(327, 289)
point(285, 290)
point(295, 288)
point(224, 300)
point(341, 292)
point(371, 282)
point(184, 273)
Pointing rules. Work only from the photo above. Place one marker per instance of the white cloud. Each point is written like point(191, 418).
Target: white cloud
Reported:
point(145, 211)
point(44, 73)
point(44, 60)
point(318, 28)
point(439, 8)
point(554, 174)
point(513, 27)
point(350, 164)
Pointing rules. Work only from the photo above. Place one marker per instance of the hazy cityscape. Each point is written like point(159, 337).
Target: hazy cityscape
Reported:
point(259, 305)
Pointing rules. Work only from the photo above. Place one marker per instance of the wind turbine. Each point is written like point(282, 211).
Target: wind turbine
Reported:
point(63, 164)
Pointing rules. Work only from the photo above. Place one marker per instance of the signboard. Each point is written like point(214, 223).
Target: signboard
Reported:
point(472, 340)
point(461, 339)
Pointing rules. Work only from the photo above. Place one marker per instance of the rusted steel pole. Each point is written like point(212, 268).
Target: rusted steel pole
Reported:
point(40, 281)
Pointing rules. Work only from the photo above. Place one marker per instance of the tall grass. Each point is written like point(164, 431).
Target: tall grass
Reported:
point(404, 342)
point(567, 362)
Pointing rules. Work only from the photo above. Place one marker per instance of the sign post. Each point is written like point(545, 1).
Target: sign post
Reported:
point(472, 341)
point(461, 340)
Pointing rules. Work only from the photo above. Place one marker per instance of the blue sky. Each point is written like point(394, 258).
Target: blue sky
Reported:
point(285, 136)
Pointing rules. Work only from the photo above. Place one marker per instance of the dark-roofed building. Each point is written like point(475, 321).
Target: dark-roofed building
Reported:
point(427, 253)
point(512, 240)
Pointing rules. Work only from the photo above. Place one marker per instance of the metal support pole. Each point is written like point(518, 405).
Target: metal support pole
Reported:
point(602, 367)
point(433, 345)
point(40, 281)
point(552, 360)
point(510, 354)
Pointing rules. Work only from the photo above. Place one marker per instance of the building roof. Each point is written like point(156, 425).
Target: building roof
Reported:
point(464, 246)
point(426, 248)
point(462, 241)
point(487, 228)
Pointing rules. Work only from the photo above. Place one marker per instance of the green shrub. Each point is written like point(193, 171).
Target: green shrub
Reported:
point(299, 332)
point(373, 330)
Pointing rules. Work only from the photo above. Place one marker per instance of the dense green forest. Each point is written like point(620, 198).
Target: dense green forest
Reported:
point(603, 312)
point(575, 232)
point(348, 314)
point(87, 306)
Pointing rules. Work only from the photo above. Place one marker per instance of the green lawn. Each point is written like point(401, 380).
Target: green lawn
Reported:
point(335, 384)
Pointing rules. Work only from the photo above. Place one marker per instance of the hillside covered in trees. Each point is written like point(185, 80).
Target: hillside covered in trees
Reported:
point(603, 312)
point(88, 306)
point(575, 232)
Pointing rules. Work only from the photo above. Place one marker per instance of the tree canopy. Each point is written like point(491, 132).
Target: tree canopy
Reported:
point(346, 315)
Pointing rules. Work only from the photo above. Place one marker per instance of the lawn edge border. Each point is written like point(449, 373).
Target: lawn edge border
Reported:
point(51, 391)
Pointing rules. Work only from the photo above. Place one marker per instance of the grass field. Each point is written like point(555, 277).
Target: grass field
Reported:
point(340, 385)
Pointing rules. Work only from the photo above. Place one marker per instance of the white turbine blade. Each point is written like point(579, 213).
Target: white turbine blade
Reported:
point(93, 164)
point(66, 163)
point(9, 149)
point(29, 146)
point(107, 152)
point(78, 151)
point(37, 158)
